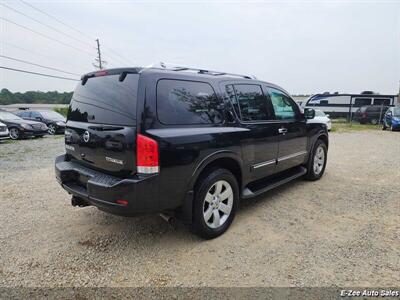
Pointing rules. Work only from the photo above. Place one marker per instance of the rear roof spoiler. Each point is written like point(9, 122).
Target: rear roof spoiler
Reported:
point(118, 71)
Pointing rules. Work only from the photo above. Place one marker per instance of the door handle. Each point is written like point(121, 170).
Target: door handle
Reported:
point(282, 130)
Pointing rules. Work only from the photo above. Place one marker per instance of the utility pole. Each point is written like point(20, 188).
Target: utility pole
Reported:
point(99, 62)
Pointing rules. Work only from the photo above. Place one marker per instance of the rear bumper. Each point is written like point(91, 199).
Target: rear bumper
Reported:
point(103, 190)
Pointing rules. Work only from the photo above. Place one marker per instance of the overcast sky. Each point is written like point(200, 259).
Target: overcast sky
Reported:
point(306, 47)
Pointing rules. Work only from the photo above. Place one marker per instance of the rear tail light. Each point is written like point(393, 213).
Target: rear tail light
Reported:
point(122, 202)
point(146, 155)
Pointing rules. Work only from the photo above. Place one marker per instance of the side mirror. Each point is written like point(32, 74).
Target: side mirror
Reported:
point(309, 113)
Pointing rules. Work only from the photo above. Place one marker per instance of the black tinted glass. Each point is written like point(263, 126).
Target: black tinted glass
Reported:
point(362, 101)
point(252, 102)
point(105, 100)
point(382, 101)
point(187, 102)
point(284, 107)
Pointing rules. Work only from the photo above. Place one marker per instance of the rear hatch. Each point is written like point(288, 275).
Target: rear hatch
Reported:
point(101, 122)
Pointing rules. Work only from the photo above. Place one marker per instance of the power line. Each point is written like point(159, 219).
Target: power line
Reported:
point(48, 26)
point(31, 51)
point(56, 19)
point(72, 28)
point(46, 36)
point(39, 74)
point(34, 64)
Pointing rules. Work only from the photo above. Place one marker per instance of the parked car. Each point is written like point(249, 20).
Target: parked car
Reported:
point(3, 130)
point(19, 128)
point(54, 121)
point(184, 142)
point(321, 117)
point(370, 114)
point(392, 118)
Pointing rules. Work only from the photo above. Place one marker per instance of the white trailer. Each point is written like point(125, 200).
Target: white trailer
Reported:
point(344, 105)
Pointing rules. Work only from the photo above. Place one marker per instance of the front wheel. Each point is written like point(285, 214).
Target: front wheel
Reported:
point(215, 203)
point(317, 161)
point(14, 134)
point(52, 129)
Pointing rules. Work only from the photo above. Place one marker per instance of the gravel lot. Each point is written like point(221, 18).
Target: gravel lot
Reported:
point(342, 230)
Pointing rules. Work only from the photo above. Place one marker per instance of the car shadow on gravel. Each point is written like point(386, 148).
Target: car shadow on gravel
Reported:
point(107, 230)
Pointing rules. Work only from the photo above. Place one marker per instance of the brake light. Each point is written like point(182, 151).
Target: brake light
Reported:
point(146, 155)
point(122, 202)
point(100, 73)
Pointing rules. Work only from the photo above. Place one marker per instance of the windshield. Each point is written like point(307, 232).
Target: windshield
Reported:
point(319, 113)
point(52, 115)
point(396, 111)
point(4, 115)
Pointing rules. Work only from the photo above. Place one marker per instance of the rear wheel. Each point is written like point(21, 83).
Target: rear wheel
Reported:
point(317, 161)
point(216, 198)
point(374, 121)
point(14, 134)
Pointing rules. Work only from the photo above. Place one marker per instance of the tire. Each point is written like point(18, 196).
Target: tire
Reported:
point(374, 121)
point(214, 214)
point(52, 129)
point(317, 162)
point(384, 127)
point(14, 133)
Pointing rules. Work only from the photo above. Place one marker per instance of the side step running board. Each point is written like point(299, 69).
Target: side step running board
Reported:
point(263, 185)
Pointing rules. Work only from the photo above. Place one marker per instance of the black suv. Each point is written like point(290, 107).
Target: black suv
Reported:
point(184, 141)
point(54, 121)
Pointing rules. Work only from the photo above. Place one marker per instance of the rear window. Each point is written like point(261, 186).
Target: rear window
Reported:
point(182, 102)
point(105, 100)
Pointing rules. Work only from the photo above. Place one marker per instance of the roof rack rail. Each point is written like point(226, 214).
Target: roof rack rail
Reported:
point(173, 67)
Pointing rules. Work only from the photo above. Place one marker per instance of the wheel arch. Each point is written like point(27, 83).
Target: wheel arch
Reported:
point(225, 159)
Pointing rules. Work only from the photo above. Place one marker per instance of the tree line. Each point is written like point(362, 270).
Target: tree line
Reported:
point(53, 97)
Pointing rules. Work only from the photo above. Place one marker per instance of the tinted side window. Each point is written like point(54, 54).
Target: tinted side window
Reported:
point(35, 114)
point(24, 114)
point(187, 102)
point(362, 101)
point(232, 97)
point(251, 102)
point(324, 102)
point(284, 107)
point(382, 101)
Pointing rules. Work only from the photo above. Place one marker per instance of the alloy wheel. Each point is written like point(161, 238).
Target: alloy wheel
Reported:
point(218, 204)
point(319, 160)
point(14, 133)
point(52, 129)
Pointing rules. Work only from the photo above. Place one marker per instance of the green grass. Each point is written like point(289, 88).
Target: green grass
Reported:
point(348, 127)
point(62, 110)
